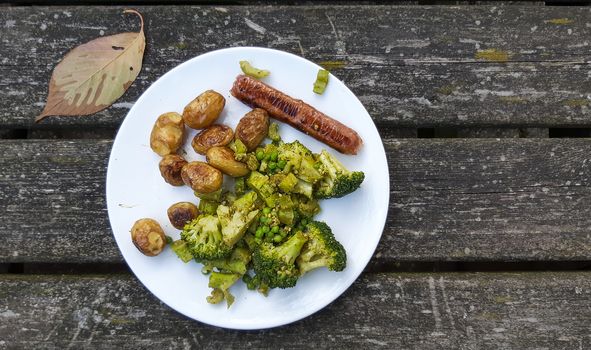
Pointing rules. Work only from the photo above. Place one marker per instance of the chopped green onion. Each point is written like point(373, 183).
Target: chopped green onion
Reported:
point(321, 81)
point(252, 71)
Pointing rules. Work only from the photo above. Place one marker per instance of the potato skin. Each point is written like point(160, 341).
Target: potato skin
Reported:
point(253, 128)
point(182, 212)
point(148, 237)
point(222, 158)
point(204, 110)
point(170, 169)
point(202, 177)
point(167, 133)
point(214, 135)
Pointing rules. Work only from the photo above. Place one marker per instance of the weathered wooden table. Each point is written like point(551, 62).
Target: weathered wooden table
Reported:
point(484, 111)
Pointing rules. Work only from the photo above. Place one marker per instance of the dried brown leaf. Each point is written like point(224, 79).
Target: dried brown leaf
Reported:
point(94, 75)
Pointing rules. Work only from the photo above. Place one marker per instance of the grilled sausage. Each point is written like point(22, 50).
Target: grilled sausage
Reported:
point(296, 113)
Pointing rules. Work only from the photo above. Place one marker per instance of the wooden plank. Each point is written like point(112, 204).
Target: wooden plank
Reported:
point(412, 66)
point(451, 200)
point(426, 311)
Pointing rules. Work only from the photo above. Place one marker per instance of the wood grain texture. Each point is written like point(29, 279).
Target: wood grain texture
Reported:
point(411, 66)
point(451, 200)
point(389, 311)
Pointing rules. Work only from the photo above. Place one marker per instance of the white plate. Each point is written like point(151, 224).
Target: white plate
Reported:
point(136, 190)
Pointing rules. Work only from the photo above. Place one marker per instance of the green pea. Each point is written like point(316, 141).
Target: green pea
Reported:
point(260, 155)
point(274, 156)
point(267, 156)
point(259, 233)
point(265, 229)
point(275, 229)
point(266, 210)
point(281, 164)
point(277, 238)
point(272, 165)
point(263, 219)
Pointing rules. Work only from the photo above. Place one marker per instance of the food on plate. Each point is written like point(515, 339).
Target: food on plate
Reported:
point(275, 264)
point(296, 113)
point(202, 177)
point(170, 169)
point(248, 69)
point(253, 128)
point(167, 133)
point(148, 236)
point(321, 250)
point(321, 81)
point(214, 135)
point(337, 181)
point(182, 212)
point(204, 110)
point(223, 159)
point(264, 231)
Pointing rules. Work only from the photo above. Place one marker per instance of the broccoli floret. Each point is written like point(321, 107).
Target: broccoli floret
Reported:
point(236, 219)
point(337, 180)
point(305, 188)
point(300, 161)
point(321, 250)
point(221, 283)
point(204, 238)
point(235, 263)
point(262, 186)
point(274, 132)
point(276, 264)
point(181, 249)
point(306, 207)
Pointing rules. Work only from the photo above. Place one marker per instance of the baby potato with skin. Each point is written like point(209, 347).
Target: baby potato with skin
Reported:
point(204, 110)
point(167, 133)
point(148, 237)
point(170, 169)
point(253, 128)
point(202, 177)
point(214, 135)
point(222, 158)
point(182, 212)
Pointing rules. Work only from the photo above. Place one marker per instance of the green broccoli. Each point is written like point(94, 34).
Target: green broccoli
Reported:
point(337, 180)
point(300, 161)
point(182, 250)
point(274, 132)
point(204, 238)
point(321, 250)
point(235, 263)
point(221, 283)
point(276, 264)
point(236, 218)
point(262, 186)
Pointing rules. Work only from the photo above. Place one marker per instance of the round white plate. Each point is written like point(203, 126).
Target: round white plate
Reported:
point(136, 190)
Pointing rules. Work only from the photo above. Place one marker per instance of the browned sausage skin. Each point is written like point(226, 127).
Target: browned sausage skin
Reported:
point(297, 113)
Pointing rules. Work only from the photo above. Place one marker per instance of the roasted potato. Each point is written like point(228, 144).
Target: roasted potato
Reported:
point(148, 237)
point(253, 128)
point(167, 133)
point(170, 169)
point(204, 110)
point(215, 135)
point(222, 158)
point(182, 212)
point(202, 177)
